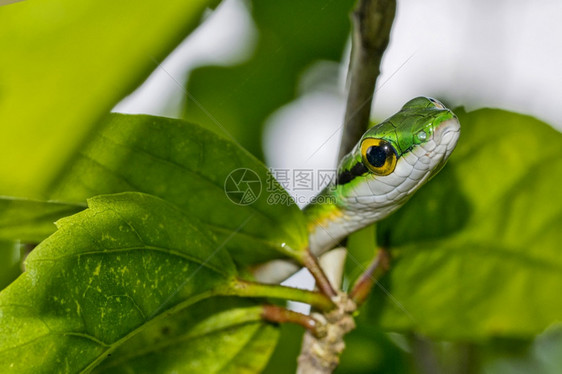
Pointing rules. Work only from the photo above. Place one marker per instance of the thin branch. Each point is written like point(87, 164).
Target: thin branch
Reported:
point(372, 21)
point(244, 288)
point(377, 268)
point(277, 314)
point(322, 282)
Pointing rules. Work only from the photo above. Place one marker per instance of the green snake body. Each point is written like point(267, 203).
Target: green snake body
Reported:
point(390, 162)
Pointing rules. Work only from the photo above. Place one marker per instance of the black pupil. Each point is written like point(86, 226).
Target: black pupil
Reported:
point(376, 155)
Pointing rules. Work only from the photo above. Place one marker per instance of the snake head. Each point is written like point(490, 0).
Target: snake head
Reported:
point(396, 157)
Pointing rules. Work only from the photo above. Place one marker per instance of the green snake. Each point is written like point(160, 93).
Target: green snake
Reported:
point(391, 161)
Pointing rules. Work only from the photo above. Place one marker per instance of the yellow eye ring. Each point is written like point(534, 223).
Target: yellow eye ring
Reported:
point(379, 156)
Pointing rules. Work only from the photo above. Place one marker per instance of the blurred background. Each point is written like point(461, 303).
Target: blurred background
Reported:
point(502, 54)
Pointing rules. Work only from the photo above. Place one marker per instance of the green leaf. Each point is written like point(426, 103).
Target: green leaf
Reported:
point(478, 248)
point(64, 65)
point(107, 273)
point(293, 34)
point(189, 166)
point(218, 335)
point(31, 220)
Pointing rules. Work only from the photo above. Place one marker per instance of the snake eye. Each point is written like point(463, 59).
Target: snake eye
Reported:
point(378, 155)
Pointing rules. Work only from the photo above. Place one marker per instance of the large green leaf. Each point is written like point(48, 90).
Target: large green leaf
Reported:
point(188, 166)
point(214, 336)
point(293, 34)
point(30, 220)
point(478, 248)
point(64, 65)
point(107, 273)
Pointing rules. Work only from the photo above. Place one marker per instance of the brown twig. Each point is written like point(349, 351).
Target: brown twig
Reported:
point(372, 21)
point(277, 314)
point(322, 282)
point(364, 284)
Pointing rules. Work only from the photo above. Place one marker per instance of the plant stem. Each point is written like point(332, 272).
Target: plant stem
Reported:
point(277, 314)
point(372, 21)
point(322, 282)
point(321, 355)
point(377, 268)
point(244, 288)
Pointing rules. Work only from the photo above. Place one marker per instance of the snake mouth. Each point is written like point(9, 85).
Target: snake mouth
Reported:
point(447, 134)
point(445, 137)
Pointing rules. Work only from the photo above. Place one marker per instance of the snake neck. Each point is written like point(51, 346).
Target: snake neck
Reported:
point(326, 206)
point(326, 220)
point(334, 214)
